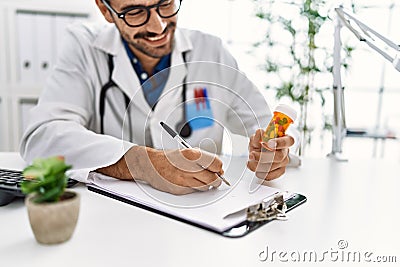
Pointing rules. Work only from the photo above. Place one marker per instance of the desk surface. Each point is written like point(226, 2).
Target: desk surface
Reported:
point(352, 203)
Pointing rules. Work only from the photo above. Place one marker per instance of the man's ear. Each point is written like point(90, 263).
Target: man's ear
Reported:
point(103, 9)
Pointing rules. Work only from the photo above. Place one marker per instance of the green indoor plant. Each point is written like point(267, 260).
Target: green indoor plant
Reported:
point(298, 49)
point(53, 211)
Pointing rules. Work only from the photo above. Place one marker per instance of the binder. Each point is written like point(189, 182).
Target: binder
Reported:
point(44, 24)
point(233, 212)
point(61, 21)
point(26, 32)
point(25, 106)
point(79, 18)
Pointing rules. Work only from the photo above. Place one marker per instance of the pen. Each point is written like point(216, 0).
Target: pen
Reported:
point(181, 141)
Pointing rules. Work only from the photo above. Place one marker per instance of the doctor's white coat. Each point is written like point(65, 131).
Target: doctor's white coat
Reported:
point(66, 120)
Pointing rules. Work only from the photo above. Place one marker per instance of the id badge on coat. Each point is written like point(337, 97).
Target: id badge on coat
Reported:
point(198, 111)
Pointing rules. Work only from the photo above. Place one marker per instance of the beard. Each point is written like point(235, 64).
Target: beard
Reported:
point(154, 52)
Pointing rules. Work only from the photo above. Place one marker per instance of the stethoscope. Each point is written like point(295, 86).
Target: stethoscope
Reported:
point(182, 127)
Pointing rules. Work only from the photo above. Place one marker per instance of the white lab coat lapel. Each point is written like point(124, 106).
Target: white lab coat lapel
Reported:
point(168, 108)
point(109, 40)
point(125, 77)
point(123, 74)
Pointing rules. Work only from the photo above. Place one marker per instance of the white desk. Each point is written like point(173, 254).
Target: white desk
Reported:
point(355, 201)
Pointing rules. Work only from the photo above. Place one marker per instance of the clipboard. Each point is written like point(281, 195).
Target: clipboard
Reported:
point(254, 213)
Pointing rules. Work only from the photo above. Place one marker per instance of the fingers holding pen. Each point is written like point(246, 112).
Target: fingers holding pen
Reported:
point(209, 178)
point(200, 181)
point(196, 168)
point(178, 171)
point(199, 168)
point(204, 159)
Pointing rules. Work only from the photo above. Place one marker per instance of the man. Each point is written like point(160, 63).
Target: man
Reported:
point(81, 113)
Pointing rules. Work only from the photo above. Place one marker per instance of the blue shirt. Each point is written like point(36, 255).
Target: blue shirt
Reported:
point(152, 86)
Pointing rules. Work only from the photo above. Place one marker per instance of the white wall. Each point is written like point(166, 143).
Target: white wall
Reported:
point(29, 36)
point(235, 23)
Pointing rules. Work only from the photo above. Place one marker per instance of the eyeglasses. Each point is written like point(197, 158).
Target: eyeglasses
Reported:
point(137, 16)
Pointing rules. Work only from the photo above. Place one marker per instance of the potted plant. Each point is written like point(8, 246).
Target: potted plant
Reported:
point(53, 211)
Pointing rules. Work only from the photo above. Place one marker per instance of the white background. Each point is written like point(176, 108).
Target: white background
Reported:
point(234, 21)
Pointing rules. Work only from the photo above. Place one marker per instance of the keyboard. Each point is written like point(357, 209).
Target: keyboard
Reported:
point(10, 185)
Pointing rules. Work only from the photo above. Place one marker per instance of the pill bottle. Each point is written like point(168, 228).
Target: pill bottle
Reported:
point(284, 115)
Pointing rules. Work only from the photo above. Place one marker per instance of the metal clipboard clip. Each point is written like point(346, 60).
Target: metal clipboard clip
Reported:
point(269, 209)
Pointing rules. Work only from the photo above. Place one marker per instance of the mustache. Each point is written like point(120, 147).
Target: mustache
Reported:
point(139, 35)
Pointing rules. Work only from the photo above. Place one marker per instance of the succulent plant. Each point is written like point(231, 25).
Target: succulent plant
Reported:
point(46, 178)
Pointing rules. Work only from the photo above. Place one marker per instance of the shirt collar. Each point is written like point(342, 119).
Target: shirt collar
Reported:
point(165, 62)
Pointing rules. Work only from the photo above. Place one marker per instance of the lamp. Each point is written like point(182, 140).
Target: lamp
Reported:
point(366, 34)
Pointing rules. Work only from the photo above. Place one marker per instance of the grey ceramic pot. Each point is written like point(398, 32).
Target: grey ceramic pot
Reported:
point(54, 223)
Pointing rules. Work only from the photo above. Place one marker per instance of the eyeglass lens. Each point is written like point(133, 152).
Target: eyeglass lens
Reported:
point(138, 16)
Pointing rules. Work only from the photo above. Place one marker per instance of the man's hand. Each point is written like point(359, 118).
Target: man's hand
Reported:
point(175, 171)
point(268, 164)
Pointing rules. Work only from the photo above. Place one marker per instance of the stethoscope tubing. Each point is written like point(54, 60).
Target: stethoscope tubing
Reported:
point(183, 126)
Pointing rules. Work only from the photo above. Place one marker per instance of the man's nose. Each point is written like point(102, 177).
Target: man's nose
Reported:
point(155, 23)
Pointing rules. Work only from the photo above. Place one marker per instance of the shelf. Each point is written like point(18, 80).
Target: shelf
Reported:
point(371, 133)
